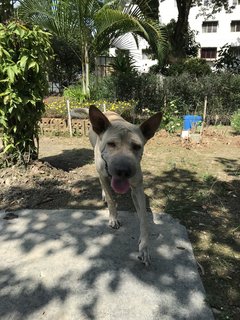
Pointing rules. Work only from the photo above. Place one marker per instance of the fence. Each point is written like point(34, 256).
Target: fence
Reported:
point(57, 125)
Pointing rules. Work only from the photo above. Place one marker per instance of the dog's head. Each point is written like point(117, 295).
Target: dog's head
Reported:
point(121, 145)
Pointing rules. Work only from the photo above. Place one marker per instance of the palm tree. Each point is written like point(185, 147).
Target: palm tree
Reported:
point(91, 24)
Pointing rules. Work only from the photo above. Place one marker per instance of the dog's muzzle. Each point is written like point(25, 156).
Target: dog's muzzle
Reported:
point(121, 169)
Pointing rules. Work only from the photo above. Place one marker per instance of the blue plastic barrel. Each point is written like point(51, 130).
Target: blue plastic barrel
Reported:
point(189, 121)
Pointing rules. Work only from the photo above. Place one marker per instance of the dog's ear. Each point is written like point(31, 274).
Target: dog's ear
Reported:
point(150, 126)
point(99, 121)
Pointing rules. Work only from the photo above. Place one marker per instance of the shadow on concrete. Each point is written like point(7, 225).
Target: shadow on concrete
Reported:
point(52, 258)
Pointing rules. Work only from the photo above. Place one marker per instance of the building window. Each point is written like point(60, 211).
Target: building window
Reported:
point(209, 26)
point(235, 3)
point(235, 26)
point(208, 53)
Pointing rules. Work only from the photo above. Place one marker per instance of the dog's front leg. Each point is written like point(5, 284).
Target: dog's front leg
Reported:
point(139, 201)
point(113, 221)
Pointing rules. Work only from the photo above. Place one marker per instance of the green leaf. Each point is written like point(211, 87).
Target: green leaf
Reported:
point(23, 61)
point(10, 109)
point(6, 99)
point(3, 122)
point(32, 64)
point(5, 93)
point(11, 74)
point(8, 147)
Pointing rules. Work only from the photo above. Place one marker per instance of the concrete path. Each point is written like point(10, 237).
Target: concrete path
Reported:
point(68, 264)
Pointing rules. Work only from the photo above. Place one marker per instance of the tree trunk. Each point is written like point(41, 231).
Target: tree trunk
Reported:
point(181, 29)
point(83, 77)
point(85, 71)
point(87, 76)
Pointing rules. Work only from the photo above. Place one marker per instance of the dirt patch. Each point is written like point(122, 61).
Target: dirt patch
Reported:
point(198, 184)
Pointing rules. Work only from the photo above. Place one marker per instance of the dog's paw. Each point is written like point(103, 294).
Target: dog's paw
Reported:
point(145, 258)
point(144, 254)
point(115, 224)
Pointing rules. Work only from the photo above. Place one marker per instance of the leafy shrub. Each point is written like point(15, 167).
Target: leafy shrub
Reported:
point(24, 56)
point(235, 121)
point(149, 92)
point(171, 119)
point(75, 93)
point(194, 66)
point(227, 60)
point(188, 91)
point(103, 88)
point(222, 91)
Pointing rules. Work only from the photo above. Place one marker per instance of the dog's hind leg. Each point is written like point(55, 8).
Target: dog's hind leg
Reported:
point(107, 192)
point(139, 201)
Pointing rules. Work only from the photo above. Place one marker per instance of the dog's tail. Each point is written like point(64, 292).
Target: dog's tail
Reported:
point(80, 113)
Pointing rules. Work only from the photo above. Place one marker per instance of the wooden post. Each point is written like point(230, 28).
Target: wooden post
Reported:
point(204, 114)
point(104, 107)
point(69, 118)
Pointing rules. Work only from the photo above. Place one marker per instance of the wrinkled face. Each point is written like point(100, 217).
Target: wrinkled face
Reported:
point(121, 149)
point(119, 146)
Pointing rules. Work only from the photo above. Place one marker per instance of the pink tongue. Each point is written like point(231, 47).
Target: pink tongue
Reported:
point(120, 185)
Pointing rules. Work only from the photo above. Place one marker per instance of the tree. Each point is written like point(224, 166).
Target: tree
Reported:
point(64, 68)
point(69, 20)
point(24, 55)
point(150, 8)
point(6, 9)
point(181, 27)
point(189, 45)
point(124, 75)
point(91, 25)
point(227, 60)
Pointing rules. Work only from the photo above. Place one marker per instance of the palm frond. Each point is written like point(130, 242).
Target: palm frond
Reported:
point(112, 24)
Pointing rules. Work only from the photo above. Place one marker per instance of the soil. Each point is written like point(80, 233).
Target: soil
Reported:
point(197, 183)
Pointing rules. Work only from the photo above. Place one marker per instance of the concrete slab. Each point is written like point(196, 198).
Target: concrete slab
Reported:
point(68, 264)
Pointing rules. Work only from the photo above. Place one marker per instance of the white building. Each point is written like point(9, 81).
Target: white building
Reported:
point(211, 33)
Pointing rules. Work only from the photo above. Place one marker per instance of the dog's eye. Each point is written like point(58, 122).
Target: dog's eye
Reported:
point(111, 144)
point(136, 147)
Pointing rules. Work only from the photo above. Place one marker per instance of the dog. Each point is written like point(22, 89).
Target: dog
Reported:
point(118, 148)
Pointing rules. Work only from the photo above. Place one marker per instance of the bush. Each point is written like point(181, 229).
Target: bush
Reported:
point(171, 119)
point(102, 88)
point(75, 93)
point(235, 121)
point(193, 66)
point(24, 56)
point(188, 91)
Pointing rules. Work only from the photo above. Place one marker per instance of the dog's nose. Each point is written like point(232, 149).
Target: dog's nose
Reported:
point(124, 172)
point(122, 167)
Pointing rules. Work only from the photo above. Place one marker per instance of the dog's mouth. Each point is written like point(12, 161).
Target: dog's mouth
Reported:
point(120, 185)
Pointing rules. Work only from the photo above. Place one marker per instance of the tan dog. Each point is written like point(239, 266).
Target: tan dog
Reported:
point(118, 148)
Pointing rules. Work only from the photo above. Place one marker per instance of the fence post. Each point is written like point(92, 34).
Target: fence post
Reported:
point(69, 118)
point(204, 114)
